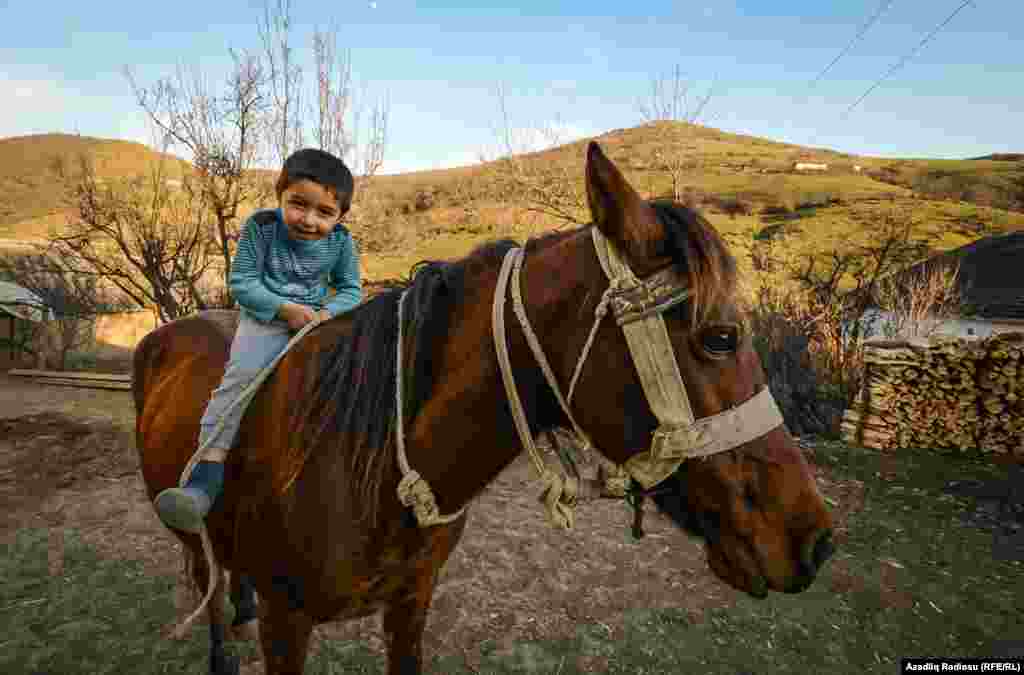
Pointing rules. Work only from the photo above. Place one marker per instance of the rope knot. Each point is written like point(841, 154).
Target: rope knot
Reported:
point(415, 492)
point(560, 497)
point(615, 480)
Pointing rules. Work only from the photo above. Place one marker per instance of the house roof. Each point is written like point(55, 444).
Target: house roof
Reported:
point(21, 302)
point(991, 275)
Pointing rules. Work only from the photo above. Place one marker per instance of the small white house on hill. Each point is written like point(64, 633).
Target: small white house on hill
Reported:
point(810, 166)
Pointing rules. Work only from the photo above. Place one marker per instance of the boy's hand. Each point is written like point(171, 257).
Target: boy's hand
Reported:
point(296, 315)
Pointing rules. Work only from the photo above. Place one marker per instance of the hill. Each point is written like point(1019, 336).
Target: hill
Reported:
point(33, 186)
point(994, 180)
point(746, 185)
point(1004, 157)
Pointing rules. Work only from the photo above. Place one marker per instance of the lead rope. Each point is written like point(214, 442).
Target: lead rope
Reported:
point(616, 479)
point(559, 491)
point(245, 396)
point(413, 490)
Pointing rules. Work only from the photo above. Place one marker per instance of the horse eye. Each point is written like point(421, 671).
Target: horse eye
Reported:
point(720, 340)
point(749, 500)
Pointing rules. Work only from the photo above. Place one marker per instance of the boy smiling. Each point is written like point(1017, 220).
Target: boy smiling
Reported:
point(287, 260)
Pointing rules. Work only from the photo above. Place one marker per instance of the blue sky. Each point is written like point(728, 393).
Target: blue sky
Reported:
point(581, 66)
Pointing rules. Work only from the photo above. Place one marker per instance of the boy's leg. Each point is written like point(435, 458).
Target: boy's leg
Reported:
point(255, 345)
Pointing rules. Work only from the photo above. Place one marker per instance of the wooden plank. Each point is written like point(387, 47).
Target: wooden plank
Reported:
point(84, 384)
point(71, 375)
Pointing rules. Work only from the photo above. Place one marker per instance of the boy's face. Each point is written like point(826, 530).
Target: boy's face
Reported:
point(310, 210)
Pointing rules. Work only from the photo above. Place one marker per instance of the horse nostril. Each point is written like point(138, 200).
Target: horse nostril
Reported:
point(817, 549)
point(823, 549)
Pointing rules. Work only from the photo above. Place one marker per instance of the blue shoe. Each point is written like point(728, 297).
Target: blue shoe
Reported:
point(185, 508)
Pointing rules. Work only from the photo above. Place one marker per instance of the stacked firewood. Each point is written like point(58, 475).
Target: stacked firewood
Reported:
point(948, 394)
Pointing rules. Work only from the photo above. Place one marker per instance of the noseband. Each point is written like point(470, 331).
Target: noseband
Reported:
point(637, 305)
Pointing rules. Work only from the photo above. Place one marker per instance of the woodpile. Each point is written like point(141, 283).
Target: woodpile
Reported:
point(76, 379)
point(947, 394)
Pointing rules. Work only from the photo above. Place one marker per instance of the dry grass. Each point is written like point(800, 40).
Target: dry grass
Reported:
point(443, 214)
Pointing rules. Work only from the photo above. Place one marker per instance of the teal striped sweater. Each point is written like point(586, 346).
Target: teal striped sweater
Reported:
point(270, 268)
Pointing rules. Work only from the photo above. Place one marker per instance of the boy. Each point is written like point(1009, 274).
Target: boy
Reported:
point(279, 277)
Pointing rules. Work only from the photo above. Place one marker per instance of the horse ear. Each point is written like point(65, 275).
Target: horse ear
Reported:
point(618, 210)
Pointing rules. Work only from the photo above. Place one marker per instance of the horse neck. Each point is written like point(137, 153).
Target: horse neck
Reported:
point(465, 435)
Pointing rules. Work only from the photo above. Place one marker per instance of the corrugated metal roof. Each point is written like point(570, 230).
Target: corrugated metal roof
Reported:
point(991, 275)
point(21, 302)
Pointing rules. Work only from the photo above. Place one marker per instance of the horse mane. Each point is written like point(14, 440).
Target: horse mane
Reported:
point(700, 253)
point(353, 403)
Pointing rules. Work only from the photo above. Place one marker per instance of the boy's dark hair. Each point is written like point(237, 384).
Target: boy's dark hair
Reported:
point(320, 167)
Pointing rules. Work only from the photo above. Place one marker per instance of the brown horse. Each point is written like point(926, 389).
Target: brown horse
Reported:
point(310, 512)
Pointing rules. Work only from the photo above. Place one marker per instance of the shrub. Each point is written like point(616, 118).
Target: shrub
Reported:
point(730, 205)
point(809, 404)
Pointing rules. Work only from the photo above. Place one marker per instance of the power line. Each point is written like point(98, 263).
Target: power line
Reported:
point(860, 33)
point(899, 64)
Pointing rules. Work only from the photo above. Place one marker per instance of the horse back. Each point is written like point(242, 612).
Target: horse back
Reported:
point(175, 367)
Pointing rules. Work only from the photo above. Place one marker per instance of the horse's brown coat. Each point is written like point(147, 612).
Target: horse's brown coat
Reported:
point(293, 515)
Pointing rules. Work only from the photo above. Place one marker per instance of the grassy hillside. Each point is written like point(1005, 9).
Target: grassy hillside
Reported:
point(33, 187)
point(744, 184)
point(996, 180)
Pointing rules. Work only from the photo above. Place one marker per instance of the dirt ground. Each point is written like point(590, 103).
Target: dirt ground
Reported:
point(67, 462)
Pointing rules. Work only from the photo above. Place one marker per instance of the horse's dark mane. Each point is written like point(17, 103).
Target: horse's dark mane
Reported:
point(354, 396)
point(699, 251)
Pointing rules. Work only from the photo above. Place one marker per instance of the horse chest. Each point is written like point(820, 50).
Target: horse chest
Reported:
point(367, 596)
point(389, 578)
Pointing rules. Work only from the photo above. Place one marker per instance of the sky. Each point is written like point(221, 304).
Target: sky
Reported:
point(580, 68)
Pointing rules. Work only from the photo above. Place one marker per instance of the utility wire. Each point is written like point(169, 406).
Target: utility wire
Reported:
point(860, 34)
point(899, 64)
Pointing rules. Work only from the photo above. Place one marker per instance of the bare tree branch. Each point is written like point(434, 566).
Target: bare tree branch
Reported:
point(543, 188)
point(151, 244)
point(284, 77)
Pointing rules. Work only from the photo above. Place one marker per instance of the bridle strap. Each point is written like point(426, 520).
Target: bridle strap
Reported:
point(648, 340)
point(560, 491)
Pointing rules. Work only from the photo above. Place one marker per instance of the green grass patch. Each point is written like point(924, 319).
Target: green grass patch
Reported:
point(912, 578)
point(915, 580)
point(97, 616)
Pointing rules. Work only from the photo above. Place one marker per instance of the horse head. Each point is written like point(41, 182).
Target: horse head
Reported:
point(731, 474)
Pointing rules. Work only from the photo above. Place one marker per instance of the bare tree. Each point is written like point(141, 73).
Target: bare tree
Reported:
point(284, 79)
point(147, 240)
point(334, 94)
point(222, 133)
point(838, 295)
point(919, 302)
point(336, 118)
point(70, 304)
point(671, 101)
point(543, 188)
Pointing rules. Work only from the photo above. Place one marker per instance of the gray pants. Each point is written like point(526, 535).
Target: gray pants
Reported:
point(256, 344)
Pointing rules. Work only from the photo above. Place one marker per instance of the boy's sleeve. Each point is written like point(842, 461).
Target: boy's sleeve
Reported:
point(246, 278)
point(345, 279)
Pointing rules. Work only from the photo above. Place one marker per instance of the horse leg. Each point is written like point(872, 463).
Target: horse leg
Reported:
point(221, 663)
point(243, 595)
point(404, 622)
point(284, 636)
